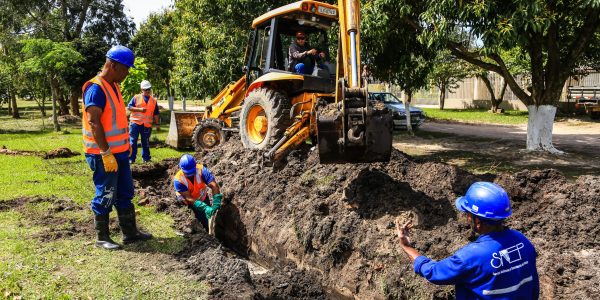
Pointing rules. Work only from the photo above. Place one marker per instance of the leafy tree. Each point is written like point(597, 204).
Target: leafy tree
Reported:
point(92, 26)
point(211, 37)
point(555, 35)
point(392, 50)
point(448, 71)
point(52, 60)
point(154, 41)
point(131, 85)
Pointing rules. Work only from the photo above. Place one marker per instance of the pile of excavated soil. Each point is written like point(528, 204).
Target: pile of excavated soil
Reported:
point(334, 223)
point(56, 153)
point(60, 153)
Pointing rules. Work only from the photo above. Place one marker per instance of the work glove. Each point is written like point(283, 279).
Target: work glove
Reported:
point(217, 201)
point(208, 210)
point(109, 161)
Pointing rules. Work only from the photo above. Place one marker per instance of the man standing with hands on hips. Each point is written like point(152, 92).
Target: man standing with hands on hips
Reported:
point(106, 146)
point(144, 110)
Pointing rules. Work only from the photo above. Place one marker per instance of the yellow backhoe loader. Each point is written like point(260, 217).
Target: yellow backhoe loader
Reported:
point(279, 109)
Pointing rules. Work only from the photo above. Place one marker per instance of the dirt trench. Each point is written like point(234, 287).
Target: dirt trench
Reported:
point(326, 231)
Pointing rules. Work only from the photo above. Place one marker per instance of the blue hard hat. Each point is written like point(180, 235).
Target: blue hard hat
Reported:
point(121, 54)
point(486, 200)
point(187, 163)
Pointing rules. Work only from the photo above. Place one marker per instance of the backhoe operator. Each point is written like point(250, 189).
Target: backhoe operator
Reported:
point(191, 186)
point(499, 264)
point(301, 56)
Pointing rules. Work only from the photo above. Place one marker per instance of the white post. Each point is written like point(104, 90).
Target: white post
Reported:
point(183, 98)
point(171, 103)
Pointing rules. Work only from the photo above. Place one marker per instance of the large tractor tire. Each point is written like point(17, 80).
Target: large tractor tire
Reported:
point(208, 135)
point(264, 117)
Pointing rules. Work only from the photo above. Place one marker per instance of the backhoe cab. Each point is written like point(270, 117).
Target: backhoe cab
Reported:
point(283, 109)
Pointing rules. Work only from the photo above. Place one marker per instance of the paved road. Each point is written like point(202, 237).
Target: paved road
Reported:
point(574, 136)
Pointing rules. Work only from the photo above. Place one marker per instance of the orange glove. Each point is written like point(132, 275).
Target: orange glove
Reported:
point(109, 161)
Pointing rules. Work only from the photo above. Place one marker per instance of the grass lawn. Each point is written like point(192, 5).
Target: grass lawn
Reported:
point(509, 117)
point(71, 267)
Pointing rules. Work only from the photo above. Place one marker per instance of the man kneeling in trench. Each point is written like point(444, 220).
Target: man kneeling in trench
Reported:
point(191, 183)
point(499, 264)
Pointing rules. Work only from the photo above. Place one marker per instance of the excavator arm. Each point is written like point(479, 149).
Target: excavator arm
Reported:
point(353, 129)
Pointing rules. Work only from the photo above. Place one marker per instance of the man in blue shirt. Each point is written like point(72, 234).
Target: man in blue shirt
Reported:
point(499, 264)
point(191, 183)
point(105, 141)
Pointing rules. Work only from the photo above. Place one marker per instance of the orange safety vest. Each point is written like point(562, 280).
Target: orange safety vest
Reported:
point(197, 188)
point(144, 118)
point(113, 120)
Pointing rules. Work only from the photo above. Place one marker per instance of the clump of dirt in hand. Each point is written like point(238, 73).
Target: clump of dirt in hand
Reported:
point(336, 223)
point(60, 153)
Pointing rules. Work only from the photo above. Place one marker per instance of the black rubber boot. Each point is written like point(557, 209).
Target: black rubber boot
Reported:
point(103, 239)
point(130, 232)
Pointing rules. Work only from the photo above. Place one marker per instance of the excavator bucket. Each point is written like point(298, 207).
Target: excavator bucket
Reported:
point(352, 132)
point(182, 127)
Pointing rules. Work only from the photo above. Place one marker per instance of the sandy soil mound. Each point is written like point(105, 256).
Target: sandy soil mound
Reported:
point(334, 223)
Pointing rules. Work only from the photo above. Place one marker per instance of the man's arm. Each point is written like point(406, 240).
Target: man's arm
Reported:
point(451, 270)
point(131, 106)
point(93, 115)
point(403, 231)
point(297, 55)
point(214, 187)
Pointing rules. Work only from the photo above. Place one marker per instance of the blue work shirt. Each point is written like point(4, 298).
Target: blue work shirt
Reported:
point(146, 99)
point(207, 177)
point(498, 265)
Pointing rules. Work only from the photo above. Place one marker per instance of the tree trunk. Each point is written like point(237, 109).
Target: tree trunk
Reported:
point(407, 100)
point(55, 90)
point(9, 107)
point(539, 128)
point(43, 104)
point(442, 99)
point(15, 108)
point(62, 101)
point(74, 100)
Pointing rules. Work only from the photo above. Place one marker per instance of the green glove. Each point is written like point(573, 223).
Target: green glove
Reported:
point(217, 201)
point(207, 209)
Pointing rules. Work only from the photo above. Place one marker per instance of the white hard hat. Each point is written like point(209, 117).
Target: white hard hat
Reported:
point(145, 85)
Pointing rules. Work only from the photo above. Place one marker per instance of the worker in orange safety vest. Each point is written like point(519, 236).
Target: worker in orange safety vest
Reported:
point(144, 112)
point(106, 147)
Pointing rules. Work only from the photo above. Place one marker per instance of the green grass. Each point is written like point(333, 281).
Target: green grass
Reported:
point(72, 267)
point(477, 116)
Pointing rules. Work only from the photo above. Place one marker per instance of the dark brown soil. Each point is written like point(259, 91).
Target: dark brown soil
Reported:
point(60, 153)
point(56, 153)
point(54, 223)
point(334, 223)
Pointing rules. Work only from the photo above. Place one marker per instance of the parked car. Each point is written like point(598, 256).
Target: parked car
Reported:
point(417, 115)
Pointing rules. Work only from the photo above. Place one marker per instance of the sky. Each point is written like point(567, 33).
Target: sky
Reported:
point(139, 10)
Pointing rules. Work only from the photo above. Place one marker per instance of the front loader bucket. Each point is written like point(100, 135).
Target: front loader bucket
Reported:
point(338, 144)
point(181, 128)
